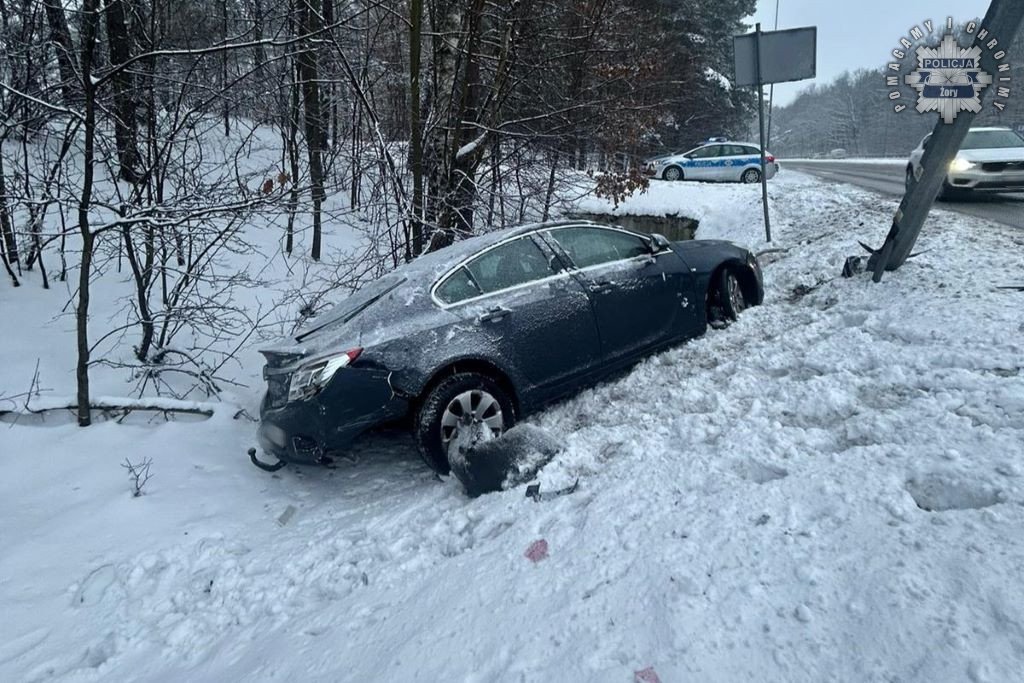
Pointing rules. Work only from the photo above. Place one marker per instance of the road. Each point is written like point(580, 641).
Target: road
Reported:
point(888, 179)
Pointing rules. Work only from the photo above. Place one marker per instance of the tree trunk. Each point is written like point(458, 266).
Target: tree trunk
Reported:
point(224, 68)
point(259, 54)
point(462, 178)
point(415, 124)
point(6, 226)
point(90, 20)
point(61, 37)
point(309, 73)
point(119, 45)
point(443, 84)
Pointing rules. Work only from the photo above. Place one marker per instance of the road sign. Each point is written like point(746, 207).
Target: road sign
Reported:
point(789, 55)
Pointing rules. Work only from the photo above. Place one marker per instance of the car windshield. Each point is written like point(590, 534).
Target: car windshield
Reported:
point(992, 139)
point(353, 305)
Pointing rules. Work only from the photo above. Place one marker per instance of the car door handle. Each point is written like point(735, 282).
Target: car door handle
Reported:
point(601, 286)
point(494, 314)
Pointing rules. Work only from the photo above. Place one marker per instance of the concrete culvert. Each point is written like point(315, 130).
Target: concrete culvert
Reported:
point(505, 462)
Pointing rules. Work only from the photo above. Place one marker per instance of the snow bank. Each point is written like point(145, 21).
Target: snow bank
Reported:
point(730, 211)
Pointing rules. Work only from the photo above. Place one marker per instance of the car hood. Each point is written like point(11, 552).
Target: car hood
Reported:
point(704, 255)
point(996, 154)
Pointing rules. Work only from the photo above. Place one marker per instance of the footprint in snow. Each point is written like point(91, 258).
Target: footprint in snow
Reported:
point(95, 586)
point(758, 472)
point(938, 492)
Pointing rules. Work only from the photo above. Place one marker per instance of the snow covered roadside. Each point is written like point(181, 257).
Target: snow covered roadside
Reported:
point(750, 507)
point(880, 161)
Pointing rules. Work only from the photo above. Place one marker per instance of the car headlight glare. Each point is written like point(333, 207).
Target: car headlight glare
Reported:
point(309, 379)
point(958, 165)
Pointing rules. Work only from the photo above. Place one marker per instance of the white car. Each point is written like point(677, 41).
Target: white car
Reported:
point(990, 159)
point(722, 161)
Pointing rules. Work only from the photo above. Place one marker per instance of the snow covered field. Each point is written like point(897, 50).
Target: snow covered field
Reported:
point(830, 489)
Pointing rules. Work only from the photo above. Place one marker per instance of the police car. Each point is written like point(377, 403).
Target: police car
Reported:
point(717, 159)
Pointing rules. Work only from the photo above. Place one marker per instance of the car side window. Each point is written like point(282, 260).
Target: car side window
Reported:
point(513, 263)
point(593, 246)
point(705, 152)
point(457, 287)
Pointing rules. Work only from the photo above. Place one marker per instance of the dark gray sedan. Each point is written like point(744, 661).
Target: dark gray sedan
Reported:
point(466, 340)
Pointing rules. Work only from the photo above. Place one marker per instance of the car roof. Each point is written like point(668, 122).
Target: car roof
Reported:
point(444, 259)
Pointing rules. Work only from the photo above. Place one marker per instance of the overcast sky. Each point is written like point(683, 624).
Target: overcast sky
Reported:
point(856, 34)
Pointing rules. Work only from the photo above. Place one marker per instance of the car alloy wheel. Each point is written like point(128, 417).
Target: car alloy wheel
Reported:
point(726, 299)
point(458, 411)
point(751, 175)
point(673, 173)
point(736, 303)
point(474, 414)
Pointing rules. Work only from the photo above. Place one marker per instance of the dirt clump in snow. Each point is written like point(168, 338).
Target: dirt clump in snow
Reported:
point(503, 463)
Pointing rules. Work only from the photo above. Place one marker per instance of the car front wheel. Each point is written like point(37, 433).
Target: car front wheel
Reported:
point(673, 173)
point(727, 299)
point(459, 411)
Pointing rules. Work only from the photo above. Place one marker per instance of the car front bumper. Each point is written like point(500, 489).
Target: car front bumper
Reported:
point(979, 179)
point(308, 431)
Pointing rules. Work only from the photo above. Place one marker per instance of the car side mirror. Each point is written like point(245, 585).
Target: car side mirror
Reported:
point(658, 243)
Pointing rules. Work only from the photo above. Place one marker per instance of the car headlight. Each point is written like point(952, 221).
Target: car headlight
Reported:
point(958, 165)
point(309, 379)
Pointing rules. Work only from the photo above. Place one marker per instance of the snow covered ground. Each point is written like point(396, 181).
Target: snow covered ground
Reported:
point(829, 489)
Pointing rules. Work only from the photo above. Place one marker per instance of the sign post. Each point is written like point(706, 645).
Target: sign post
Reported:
point(760, 126)
point(773, 57)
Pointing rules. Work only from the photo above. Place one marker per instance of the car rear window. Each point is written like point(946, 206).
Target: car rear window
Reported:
point(349, 308)
point(514, 263)
point(503, 267)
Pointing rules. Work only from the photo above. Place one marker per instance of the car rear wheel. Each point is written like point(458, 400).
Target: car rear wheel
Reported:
point(727, 298)
point(673, 173)
point(751, 175)
point(460, 410)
